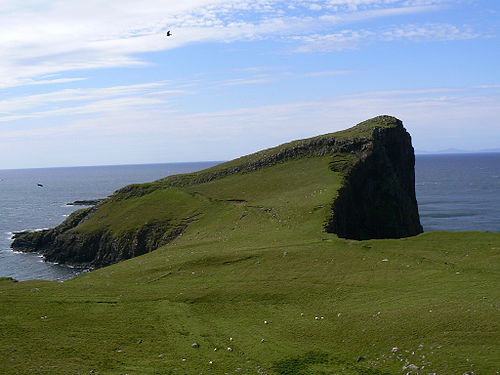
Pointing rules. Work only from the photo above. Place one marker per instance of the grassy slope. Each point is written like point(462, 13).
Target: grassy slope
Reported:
point(241, 263)
point(287, 151)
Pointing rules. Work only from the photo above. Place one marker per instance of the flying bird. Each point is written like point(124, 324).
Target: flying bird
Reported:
point(39, 185)
point(169, 33)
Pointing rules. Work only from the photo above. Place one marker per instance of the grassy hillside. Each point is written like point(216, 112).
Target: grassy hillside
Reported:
point(321, 145)
point(261, 287)
point(257, 253)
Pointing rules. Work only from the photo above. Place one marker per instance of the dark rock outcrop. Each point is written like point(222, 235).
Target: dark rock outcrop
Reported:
point(378, 198)
point(88, 202)
point(65, 245)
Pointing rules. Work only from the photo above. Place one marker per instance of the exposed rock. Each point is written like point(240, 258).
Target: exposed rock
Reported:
point(411, 366)
point(63, 244)
point(378, 198)
point(89, 202)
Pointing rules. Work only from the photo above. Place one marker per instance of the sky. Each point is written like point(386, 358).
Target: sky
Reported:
point(99, 82)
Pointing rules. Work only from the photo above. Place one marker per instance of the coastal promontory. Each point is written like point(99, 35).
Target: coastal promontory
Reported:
point(373, 163)
point(302, 259)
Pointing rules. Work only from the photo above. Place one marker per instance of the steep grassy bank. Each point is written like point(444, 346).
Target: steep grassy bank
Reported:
point(255, 271)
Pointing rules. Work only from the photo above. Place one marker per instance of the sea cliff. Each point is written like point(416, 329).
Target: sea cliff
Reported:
point(376, 199)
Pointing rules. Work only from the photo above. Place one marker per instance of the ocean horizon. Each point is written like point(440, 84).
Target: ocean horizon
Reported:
point(455, 192)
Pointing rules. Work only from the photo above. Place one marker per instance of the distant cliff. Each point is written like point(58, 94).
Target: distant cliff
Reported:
point(376, 199)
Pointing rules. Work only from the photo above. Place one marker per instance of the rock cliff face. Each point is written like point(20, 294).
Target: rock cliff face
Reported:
point(377, 199)
point(100, 248)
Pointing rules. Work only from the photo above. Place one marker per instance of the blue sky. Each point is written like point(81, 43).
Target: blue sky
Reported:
point(98, 83)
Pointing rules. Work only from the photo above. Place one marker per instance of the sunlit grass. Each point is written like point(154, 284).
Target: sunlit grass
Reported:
point(255, 272)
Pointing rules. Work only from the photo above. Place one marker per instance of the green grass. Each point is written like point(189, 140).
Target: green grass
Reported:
point(257, 252)
point(318, 146)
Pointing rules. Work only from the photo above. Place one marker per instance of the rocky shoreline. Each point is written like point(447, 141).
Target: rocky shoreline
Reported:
point(88, 202)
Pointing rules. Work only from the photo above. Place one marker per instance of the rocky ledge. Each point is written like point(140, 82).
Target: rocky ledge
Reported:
point(88, 202)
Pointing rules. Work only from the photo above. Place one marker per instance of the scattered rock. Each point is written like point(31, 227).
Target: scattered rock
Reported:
point(411, 366)
point(395, 349)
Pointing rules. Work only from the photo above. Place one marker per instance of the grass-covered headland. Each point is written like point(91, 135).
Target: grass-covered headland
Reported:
point(252, 266)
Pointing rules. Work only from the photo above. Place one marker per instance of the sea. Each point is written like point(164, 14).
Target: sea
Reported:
point(455, 192)
point(24, 205)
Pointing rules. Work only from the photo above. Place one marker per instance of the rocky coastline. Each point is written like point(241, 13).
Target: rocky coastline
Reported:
point(88, 202)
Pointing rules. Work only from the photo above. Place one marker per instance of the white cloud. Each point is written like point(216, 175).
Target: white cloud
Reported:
point(353, 39)
point(345, 39)
point(247, 81)
point(53, 37)
point(328, 73)
point(465, 112)
point(429, 32)
point(25, 105)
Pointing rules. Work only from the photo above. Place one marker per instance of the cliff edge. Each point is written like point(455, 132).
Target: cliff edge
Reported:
point(372, 161)
point(378, 198)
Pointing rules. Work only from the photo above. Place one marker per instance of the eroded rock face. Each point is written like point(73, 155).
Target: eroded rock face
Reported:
point(65, 245)
point(378, 198)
